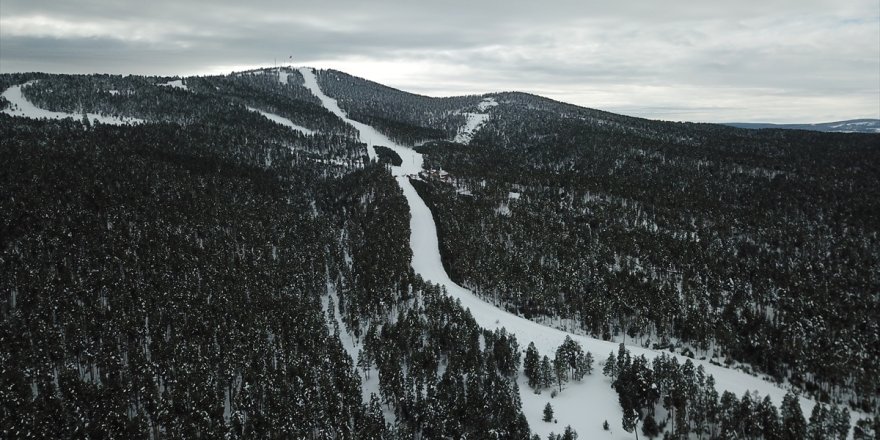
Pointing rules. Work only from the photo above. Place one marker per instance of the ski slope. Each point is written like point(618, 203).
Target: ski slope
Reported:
point(282, 76)
point(474, 121)
point(282, 121)
point(20, 106)
point(177, 84)
point(412, 162)
point(585, 405)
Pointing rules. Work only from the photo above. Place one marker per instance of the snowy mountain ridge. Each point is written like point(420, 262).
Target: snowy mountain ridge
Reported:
point(848, 126)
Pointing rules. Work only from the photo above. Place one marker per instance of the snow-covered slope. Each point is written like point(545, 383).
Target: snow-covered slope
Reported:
point(20, 106)
point(582, 405)
point(474, 121)
point(282, 120)
point(177, 84)
point(585, 405)
point(412, 162)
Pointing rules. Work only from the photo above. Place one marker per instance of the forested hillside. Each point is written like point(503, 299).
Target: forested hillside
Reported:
point(229, 262)
point(402, 116)
point(168, 279)
point(754, 246)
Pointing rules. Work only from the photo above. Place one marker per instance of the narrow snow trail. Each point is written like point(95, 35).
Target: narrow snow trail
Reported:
point(369, 383)
point(20, 106)
point(282, 121)
point(585, 405)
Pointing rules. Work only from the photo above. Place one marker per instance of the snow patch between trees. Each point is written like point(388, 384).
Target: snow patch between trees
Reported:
point(282, 76)
point(177, 84)
point(475, 121)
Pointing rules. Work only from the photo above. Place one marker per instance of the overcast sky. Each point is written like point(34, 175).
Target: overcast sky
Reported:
point(728, 60)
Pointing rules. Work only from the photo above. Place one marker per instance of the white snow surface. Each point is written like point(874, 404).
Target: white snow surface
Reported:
point(177, 84)
point(466, 132)
point(486, 103)
point(584, 405)
point(20, 106)
point(474, 121)
point(412, 161)
point(282, 121)
point(282, 76)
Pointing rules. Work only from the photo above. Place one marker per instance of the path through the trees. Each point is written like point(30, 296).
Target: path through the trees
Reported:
point(584, 405)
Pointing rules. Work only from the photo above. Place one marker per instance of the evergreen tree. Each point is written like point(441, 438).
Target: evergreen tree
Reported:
point(610, 368)
point(819, 427)
point(840, 419)
point(867, 429)
point(794, 426)
point(560, 370)
point(630, 420)
point(532, 366)
point(546, 373)
point(587, 364)
point(769, 420)
point(87, 124)
point(649, 427)
point(548, 413)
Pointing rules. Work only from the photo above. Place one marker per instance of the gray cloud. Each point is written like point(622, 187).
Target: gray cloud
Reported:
point(782, 61)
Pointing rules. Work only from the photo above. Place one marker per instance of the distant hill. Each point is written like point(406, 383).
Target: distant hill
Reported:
point(850, 126)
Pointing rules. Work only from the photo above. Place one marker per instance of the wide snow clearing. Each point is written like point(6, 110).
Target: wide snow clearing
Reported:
point(466, 132)
point(177, 84)
point(20, 106)
point(487, 103)
point(474, 121)
point(584, 405)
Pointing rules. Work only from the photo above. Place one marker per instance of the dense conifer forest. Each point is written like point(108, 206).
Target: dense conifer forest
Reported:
point(753, 246)
point(211, 273)
point(168, 280)
point(756, 247)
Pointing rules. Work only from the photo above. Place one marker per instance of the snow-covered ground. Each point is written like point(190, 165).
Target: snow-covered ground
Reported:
point(466, 132)
point(20, 106)
point(412, 161)
point(474, 121)
point(282, 75)
point(369, 385)
point(487, 103)
point(282, 120)
point(177, 84)
point(585, 405)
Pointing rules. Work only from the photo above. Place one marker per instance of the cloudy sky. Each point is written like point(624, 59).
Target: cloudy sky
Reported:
point(710, 60)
